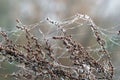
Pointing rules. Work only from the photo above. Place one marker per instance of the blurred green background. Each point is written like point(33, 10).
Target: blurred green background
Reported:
point(105, 13)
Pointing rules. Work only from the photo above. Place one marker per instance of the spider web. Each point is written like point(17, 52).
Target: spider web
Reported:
point(77, 26)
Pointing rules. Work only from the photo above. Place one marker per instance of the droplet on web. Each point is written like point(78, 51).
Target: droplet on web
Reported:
point(87, 17)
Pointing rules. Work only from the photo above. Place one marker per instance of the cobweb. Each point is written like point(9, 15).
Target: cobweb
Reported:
point(77, 26)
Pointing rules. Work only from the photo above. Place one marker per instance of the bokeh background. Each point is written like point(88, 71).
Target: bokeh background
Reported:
point(105, 14)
